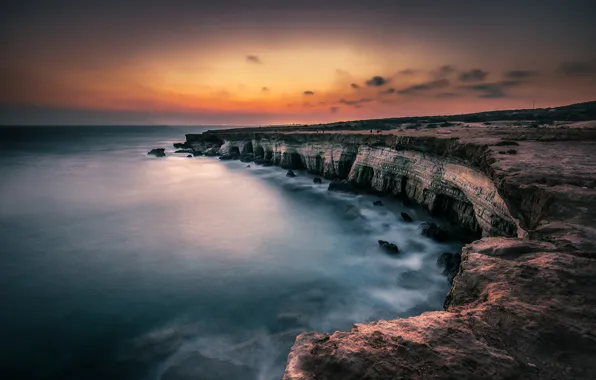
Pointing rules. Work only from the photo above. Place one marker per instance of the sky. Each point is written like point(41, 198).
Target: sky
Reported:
point(256, 62)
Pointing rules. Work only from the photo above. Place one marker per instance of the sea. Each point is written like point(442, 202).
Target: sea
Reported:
point(119, 265)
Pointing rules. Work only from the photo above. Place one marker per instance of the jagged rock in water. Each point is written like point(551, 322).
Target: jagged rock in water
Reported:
point(157, 152)
point(211, 152)
point(184, 145)
point(317, 180)
point(450, 264)
point(378, 203)
point(290, 174)
point(343, 186)
point(388, 247)
point(432, 230)
point(406, 217)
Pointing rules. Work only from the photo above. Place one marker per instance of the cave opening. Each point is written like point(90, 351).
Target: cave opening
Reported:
point(259, 151)
point(458, 212)
point(292, 160)
point(234, 150)
point(269, 155)
point(247, 148)
point(365, 176)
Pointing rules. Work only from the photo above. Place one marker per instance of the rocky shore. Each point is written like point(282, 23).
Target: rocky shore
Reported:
point(523, 301)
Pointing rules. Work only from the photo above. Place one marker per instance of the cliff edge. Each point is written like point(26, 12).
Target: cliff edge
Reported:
point(524, 299)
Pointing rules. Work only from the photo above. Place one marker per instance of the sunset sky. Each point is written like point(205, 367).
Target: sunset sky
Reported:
point(247, 62)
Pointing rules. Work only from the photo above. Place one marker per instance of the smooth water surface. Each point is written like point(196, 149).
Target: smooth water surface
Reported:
point(119, 265)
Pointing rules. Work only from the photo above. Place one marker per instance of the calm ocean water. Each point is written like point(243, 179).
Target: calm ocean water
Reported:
point(116, 265)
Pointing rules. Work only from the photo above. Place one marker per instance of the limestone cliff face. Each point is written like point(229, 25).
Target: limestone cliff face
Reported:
point(446, 187)
point(519, 307)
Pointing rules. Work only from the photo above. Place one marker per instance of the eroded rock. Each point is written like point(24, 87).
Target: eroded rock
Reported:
point(406, 217)
point(433, 231)
point(157, 152)
point(388, 247)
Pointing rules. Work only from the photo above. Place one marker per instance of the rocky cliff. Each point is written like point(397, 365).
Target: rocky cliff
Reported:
point(522, 303)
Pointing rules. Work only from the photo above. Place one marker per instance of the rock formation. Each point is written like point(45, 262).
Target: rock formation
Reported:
point(157, 152)
point(522, 303)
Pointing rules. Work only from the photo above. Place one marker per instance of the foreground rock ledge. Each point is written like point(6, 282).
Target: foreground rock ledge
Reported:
point(523, 305)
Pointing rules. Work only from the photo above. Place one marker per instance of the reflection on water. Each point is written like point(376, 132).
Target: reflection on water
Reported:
point(127, 266)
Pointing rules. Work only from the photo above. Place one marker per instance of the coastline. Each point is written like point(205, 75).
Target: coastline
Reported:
point(521, 302)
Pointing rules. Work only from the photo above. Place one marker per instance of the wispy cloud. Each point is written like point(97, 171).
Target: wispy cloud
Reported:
point(474, 75)
point(521, 74)
point(424, 87)
point(253, 59)
point(494, 90)
point(577, 68)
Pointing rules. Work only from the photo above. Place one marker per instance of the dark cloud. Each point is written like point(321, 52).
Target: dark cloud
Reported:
point(253, 59)
point(388, 91)
point(444, 71)
point(265, 89)
point(577, 68)
point(308, 93)
point(355, 103)
point(333, 109)
point(521, 74)
point(474, 75)
point(355, 86)
point(447, 95)
point(423, 87)
point(377, 81)
point(408, 72)
point(494, 90)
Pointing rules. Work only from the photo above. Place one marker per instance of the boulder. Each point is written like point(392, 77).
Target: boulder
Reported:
point(450, 263)
point(388, 247)
point(378, 203)
point(433, 231)
point(406, 217)
point(157, 152)
point(343, 186)
point(248, 166)
point(190, 156)
point(290, 174)
point(317, 180)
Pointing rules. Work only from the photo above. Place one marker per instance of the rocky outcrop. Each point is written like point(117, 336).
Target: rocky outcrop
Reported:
point(429, 172)
point(157, 152)
point(522, 301)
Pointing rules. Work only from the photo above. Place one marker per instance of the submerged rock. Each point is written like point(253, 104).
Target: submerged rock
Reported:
point(450, 264)
point(248, 166)
point(317, 180)
point(433, 231)
point(190, 156)
point(157, 152)
point(406, 217)
point(343, 186)
point(290, 174)
point(378, 203)
point(388, 247)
